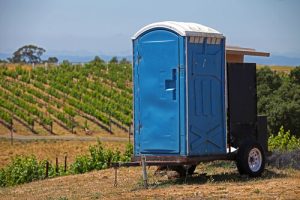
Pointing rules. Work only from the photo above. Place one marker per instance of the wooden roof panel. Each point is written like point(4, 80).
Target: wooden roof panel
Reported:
point(235, 50)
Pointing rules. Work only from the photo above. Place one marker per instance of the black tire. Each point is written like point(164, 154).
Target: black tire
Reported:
point(251, 159)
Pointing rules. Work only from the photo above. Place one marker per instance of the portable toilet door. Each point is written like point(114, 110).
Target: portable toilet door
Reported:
point(206, 95)
point(156, 92)
point(164, 123)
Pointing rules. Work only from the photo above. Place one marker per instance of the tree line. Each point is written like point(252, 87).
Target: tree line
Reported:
point(31, 54)
point(279, 98)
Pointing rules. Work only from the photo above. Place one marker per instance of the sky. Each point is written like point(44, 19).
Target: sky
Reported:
point(94, 27)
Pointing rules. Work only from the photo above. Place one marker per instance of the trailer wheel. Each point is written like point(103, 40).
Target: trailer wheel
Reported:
point(251, 159)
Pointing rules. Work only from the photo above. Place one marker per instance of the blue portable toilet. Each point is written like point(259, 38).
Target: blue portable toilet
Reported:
point(179, 90)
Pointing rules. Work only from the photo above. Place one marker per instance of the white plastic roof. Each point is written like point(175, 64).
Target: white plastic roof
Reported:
point(182, 28)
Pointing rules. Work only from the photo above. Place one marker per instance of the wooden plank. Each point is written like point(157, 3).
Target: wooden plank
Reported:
point(234, 58)
point(249, 53)
point(235, 50)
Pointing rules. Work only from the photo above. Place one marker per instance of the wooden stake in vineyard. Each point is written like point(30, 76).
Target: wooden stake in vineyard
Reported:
point(129, 132)
point(65, 167)
point(51, 127)
point(32, 127)
point(56, 165)
point(47, 169)
point(11, 131)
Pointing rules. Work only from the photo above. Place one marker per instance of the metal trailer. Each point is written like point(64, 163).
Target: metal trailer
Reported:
point(189, 105)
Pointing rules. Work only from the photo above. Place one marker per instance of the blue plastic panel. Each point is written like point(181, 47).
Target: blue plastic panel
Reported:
point(182, 96)
point(156, 92)
point(206, 114)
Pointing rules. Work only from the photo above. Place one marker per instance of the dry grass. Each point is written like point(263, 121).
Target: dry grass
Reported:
point(219, 183)
point(20, 129)
point(13, 66)
point(49, 149)
point(94, 129)
point(284, 69)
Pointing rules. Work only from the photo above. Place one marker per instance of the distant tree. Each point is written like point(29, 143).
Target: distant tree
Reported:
point(295, 75)
point(28, 54)
point(114, 60)
point(279, 98)
point(124, 61)
point(97, 60)
point(52, 60)
point(66, 62)
point(284, 109)
point(266, 76)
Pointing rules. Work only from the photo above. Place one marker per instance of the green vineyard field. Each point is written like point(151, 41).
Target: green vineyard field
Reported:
point(69, 96)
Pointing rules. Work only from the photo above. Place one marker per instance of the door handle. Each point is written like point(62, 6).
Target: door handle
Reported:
point(170, 84)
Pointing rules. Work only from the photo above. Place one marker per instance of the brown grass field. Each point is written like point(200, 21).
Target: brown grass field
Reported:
point(284, 69)
point(217, 180)
point(13, 66)
point(94, 129)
